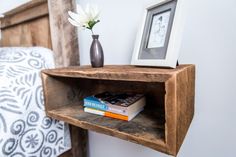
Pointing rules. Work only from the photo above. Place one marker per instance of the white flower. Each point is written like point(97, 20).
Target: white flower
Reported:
point(84, 18)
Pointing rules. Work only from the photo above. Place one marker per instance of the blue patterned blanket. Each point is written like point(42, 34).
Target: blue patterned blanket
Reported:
point(25, 131)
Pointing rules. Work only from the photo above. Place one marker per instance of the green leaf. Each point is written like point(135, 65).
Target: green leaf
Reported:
point(92, 23)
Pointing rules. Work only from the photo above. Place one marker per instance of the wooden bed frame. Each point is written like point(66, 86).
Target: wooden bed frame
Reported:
point(44, 23)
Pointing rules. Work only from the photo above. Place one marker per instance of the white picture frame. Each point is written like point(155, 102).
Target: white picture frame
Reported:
point(149, 51)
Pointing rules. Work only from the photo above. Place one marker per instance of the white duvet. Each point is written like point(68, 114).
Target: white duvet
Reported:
point(25, 131)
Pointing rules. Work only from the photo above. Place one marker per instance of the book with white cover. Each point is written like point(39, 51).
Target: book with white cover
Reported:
point(112, 115)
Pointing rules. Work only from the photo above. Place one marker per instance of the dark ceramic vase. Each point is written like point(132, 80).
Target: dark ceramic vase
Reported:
point(96, 53)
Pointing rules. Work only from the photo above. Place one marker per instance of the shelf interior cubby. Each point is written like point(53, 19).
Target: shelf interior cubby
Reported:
point(155, 127)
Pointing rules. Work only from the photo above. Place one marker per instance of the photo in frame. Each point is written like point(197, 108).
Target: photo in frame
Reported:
point(159, 38)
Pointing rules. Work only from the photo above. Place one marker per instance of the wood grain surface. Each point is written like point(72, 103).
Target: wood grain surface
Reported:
point(26, 25)
point(146, 128)
point(29, 11)
point(118, 72)
point(32, 33)
point(161, 126)
point(64, 35)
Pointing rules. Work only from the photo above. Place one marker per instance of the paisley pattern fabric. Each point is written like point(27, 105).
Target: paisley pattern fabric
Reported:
point(25, 131)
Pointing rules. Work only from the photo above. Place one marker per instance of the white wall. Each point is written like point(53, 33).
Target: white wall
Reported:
point(209, 41)
point(6, 5)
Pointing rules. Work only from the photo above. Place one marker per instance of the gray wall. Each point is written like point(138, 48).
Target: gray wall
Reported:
point(209, 41)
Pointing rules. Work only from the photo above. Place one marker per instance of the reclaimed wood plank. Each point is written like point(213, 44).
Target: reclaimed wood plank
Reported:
point(185, 90)
point(161, 126)
point(32, 33)
point(117, 72)
point(79, 140)
point(26, 12)
point(146, 128)
point(61, 91)
point(170, 115)
point(64, 35)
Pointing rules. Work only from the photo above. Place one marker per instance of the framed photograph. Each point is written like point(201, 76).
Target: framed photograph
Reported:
point(158, 40)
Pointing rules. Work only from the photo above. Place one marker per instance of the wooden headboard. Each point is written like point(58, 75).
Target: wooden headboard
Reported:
point(43, 23)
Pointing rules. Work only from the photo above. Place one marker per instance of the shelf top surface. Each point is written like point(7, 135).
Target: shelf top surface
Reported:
point(118, 72)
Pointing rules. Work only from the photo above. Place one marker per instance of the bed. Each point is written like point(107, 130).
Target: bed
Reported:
point(37, 25)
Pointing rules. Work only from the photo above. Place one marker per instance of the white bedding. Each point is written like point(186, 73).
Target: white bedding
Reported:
point(25, 131)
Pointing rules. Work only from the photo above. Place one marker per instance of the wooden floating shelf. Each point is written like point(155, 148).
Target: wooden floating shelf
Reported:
point(162, 125)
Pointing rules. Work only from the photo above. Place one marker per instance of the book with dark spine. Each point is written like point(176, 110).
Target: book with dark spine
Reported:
point(120, 103)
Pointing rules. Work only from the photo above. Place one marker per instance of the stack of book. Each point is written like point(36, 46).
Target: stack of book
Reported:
point(123, 106)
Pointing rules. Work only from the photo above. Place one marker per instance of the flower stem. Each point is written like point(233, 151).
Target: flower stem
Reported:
point(92, 31)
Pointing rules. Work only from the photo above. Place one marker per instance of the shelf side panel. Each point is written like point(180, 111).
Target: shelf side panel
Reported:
point(56, 92)
point(185, 102)
point(170, 115)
